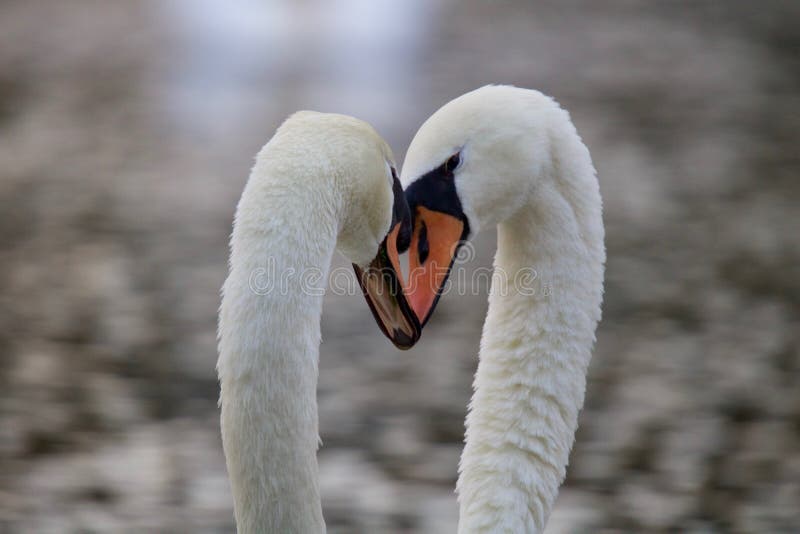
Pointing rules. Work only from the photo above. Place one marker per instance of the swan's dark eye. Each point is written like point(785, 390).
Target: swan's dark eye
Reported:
point(452, 162)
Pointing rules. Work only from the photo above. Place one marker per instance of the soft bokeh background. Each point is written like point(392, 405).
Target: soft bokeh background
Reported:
point(127, 130)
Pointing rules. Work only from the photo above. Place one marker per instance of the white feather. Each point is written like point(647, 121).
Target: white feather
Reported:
point(525, 169)
point(318, 184)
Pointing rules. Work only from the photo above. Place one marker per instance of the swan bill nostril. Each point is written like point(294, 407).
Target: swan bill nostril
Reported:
point(403, 241)
point(423, 247)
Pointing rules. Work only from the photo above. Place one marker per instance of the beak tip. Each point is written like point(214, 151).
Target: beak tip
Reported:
point(402, 340)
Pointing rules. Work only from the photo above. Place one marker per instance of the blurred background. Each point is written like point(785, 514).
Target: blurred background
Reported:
point(127, 131)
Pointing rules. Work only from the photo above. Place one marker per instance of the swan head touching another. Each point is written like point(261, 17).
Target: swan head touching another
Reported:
point(348, 156)
point(510, 157)
point(374, 220)
point(482, 159)
point(478, 143)
point(326, 176)
point(323, 182)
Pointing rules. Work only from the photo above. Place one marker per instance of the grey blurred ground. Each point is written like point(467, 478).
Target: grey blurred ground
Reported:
point(127, 130)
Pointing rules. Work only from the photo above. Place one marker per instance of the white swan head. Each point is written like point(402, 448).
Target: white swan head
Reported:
point(338, 153)
point(475, 163)
point(354, 160)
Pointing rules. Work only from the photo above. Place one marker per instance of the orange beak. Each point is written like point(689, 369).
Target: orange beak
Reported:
point(434, 244)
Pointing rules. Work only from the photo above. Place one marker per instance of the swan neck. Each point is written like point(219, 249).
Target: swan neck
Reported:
point(536, 345)
point(269, 336)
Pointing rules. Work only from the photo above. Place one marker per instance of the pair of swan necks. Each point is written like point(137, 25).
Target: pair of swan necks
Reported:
point(528, 173)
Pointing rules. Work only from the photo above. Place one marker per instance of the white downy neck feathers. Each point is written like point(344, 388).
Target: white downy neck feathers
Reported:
point(524, 168)
point(322, 182)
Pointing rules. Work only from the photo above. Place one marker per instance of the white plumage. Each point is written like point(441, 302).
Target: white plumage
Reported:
point(322, 182)
point(524, 169)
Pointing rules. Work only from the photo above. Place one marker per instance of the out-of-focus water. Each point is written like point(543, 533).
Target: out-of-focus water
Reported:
point(127, 131)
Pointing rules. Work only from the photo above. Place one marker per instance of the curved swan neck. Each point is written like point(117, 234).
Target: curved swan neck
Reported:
point(269, 336)
point(535, 350)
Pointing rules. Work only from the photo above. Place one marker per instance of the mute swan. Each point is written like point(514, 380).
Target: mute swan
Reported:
point(511, 157)
point(322, 182)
